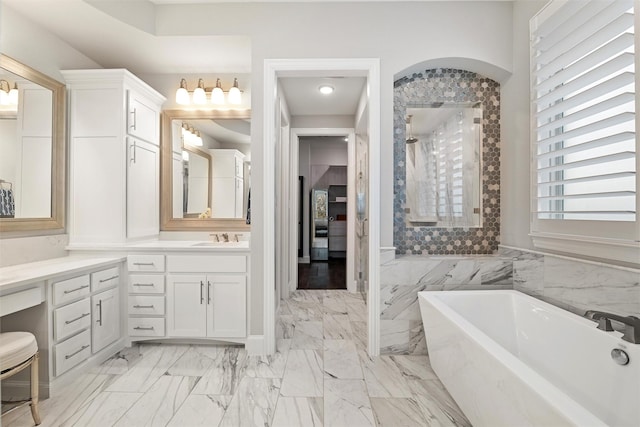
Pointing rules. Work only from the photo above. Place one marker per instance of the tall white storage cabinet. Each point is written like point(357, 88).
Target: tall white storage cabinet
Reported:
point(114, 131)
point(227, 182)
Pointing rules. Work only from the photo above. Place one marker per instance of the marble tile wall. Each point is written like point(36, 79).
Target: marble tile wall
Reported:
point(576, 285)
point(572, 284)
point(401, 329)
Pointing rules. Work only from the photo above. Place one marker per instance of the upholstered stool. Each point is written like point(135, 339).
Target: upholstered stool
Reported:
point(17, 351)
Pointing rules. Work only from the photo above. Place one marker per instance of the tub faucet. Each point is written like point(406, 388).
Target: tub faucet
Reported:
point(631, 324)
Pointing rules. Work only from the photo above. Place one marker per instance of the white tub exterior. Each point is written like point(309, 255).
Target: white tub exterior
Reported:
point(511, 360)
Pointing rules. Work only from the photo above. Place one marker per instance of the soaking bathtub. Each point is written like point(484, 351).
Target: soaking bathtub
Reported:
point(511, 360)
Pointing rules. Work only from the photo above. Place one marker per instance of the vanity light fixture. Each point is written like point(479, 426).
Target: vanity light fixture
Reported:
point(326, 89)
point(185, 155)
point(234, 96)
point(199, 95)
point(8, 96)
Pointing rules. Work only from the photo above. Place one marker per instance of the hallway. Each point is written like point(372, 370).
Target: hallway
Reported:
point(323, 274)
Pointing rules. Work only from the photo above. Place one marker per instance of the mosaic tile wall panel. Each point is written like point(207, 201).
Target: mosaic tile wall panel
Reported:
point(449, 86)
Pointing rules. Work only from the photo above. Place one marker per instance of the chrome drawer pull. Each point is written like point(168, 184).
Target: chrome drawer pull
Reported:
point(143, 284)
point(110, 278)
point(76, 289)
point(144, 263)
point(66, 322)
point(69, 356)
point(143, 306)
point(141, 328)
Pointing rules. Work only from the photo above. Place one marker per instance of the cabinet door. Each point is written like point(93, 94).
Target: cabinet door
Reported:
point(226, 306)
point(143, 118)
point(143, 182)
point(186, 306)
point(224, 195)
point(239, 198)
point(105, 315)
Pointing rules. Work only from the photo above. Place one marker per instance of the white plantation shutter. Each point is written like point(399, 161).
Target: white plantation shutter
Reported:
point(584, 130)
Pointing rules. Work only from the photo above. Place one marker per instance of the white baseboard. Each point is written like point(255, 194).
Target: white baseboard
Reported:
point(255, 345)
point(387, 254)
point(304, 260)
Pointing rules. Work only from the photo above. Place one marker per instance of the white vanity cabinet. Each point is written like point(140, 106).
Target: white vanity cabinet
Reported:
point(207, 296)
point(146, 302)
point(114, 127)
point(105, 319)
point(227, 183)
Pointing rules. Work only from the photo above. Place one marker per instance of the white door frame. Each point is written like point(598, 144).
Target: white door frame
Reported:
point(274, 68)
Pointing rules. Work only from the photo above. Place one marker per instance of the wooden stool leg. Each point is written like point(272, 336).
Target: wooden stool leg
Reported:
point(35, 389)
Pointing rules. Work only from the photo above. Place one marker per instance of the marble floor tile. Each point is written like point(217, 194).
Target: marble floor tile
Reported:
point(383, 377)
point(341, 360)
point(308, 335)
point(305, 295)
point(437, 406)
point(303, 375)
point(334, 304)
point(66, 402)
point(397, 412)
point(154, 362)
point(254, 404)
point(336, 327)
point(196, 360)
point(357, 310)
point(285, 326)
point(414, 367)
point(158, 406)
point(346, 403)
point(271, 366)
point(201, 410)
point(305, 311)
point(105, 410)
point(298, 412)
point(225, 373)
point(120, 363)
point(360, 333)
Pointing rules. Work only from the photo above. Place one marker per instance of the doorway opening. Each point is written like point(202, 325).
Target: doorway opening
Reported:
point(281, 200)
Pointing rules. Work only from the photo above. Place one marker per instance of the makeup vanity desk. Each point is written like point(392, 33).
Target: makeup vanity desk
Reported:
point(72, 306)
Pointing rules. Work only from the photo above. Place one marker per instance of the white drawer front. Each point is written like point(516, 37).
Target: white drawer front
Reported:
point(145, 263)
point(72, 352)
point(146, 284)
point(20, 300)
point(207, 263)
point(143, 304)
point(70, 289)
point(71, 318)
point(146, 327)
point(105, 279)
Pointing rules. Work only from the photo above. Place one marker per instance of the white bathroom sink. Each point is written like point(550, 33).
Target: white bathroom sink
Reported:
point(241, 244)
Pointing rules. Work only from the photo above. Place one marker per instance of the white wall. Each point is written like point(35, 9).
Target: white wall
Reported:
point(515, 191)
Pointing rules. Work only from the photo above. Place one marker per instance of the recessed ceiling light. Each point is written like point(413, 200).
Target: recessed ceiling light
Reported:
point(326, 89)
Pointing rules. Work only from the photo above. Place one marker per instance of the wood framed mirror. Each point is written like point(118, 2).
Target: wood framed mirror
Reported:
point(32, 142)
point(225, 139)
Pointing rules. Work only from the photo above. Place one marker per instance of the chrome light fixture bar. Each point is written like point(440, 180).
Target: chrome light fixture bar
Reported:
point(215, 94)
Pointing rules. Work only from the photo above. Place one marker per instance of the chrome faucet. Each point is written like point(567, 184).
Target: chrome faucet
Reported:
point(631, 324)
point(236, 237)
point(225, 236)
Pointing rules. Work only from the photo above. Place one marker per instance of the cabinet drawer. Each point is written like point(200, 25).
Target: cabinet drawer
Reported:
point(72, 352)
point(71, 318)
point(207, 263)
point(68, 290)
point(145, 263)
point(146, 327)
point(146, 284)
point(20, 300)
point(143, 304)
point(105, 279)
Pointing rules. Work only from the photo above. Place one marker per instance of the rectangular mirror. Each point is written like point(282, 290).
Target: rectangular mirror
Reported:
point(443, 165)
point(205, 174)
point(32, 164)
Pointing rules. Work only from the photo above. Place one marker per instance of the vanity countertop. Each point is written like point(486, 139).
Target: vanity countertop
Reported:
point(20, 274)
point(166, 245)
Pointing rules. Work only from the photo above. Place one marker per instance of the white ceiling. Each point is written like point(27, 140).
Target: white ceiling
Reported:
point(304, 98)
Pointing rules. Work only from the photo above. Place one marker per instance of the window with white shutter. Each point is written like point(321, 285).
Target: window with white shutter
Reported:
point(584, 144)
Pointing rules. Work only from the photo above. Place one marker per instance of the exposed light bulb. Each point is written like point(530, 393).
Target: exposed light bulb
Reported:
point(185, 156)
point(217, 95)
point(235, 97)
point(198, 139)
point(199, 95)
point(182, 96)
point(4, 97)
